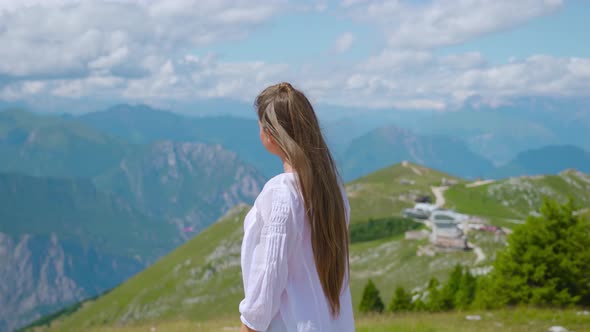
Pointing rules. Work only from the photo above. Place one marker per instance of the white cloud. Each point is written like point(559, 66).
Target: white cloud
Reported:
point(445, 22)
point(343, 42)
point(143, 51)
point(421, 80)
point(74, 38)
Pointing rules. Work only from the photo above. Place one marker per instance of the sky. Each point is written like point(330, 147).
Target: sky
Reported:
point(416, 54)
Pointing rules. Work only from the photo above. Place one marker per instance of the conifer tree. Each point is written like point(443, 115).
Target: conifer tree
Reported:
point(371, 300)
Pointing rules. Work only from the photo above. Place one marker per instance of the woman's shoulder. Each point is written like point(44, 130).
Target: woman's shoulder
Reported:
point(283, 181)
point(283, 185)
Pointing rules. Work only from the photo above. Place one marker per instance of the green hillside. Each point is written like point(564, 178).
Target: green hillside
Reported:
point(516, 198)
point(201, 280)
point(388, 191)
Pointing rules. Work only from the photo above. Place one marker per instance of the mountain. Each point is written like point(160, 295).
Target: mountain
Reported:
point(62, 240)
point(187, 184)
point(389, 145)
point(500, 132)
point(388, 191)
point(546, 160)
point(50, 146)
point(143, 124)
point(512, 200)
point(179, 186)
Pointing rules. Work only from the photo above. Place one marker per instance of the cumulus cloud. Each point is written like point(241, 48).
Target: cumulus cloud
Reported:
point(445, 22)
point(421, 80)
point(46, 39)
point(143, 51)
point(343, 42)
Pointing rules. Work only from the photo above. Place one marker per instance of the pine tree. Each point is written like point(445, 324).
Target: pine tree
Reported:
point(466, 292)
point(450, 289)
point(401, 301)
point(434, 302)
point(545, 263)
point(371, 300)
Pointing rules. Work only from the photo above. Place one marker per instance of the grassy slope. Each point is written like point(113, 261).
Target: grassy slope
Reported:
point(202, 280)
point(380, 194)
point(515, 198)
point(200, 283)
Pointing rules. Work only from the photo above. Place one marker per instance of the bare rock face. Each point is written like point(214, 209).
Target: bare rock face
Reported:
point(189, 184)
point(81, 237)
point(41, 274)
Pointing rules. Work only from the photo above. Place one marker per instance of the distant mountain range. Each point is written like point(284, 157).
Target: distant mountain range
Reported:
point(142, 124)
point(390, 145)
point(466, 144)
point(546, 160)
point(47, 145)
point(173, 189)
point(500, 133)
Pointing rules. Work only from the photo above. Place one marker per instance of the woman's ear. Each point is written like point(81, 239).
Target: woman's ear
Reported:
point(269, 138)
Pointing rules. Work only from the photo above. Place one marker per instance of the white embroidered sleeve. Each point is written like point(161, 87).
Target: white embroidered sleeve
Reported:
point(268, 273)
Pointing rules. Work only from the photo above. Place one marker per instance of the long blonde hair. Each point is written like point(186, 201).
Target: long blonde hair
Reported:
point(287, 115)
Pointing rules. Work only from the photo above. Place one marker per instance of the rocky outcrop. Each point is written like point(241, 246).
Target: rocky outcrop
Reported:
point(188, 184)
point(41, 274)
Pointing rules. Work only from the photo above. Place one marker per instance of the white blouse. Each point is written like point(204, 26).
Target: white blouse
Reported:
point(282, 287)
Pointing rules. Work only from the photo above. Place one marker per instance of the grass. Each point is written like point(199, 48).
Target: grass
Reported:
point(382, 194)
point(393, 262)
point(514, 320)
point(510, 320)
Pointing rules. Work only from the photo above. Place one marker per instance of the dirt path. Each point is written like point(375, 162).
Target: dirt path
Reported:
point(439, 196)
point(481, 256)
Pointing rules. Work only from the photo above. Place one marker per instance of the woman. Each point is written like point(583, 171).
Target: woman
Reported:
point(295, 247)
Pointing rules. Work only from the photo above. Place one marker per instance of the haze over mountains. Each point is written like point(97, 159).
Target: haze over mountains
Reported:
point(133, 182)
point(470, 143)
